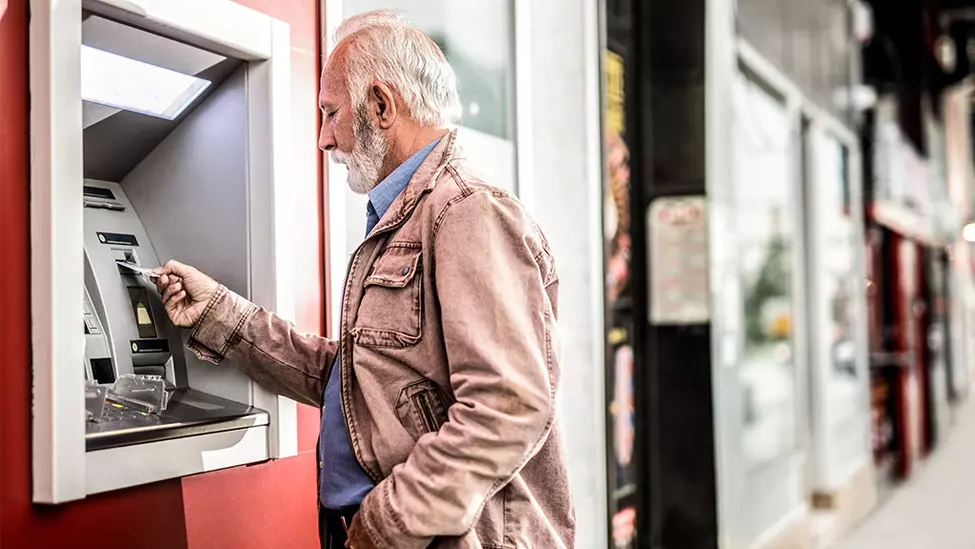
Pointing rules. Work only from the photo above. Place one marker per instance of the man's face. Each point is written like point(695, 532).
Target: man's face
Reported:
point(349, 134)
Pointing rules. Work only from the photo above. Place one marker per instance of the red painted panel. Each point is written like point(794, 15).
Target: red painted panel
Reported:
point(902, 426)
point(150, 517)
point(301, 15)
point(266, 506)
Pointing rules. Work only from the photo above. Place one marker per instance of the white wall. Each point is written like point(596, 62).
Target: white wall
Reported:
point(567, 198)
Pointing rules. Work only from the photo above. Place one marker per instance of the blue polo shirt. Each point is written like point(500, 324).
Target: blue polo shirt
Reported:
point(343, 482)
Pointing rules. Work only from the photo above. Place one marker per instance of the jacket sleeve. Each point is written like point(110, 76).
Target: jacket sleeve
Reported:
point(264, 346)
point(497, 327)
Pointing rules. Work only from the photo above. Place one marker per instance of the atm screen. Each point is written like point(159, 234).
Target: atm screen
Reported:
point(143, 315)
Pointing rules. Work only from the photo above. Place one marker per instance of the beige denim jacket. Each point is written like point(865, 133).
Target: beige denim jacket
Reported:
point(449, 366)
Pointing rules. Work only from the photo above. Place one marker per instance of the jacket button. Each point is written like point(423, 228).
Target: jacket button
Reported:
point(406, 271)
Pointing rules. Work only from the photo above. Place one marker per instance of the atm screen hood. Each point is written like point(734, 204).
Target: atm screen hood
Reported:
point(115, 140)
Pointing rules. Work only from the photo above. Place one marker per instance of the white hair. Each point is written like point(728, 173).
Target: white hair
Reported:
point(384, 47)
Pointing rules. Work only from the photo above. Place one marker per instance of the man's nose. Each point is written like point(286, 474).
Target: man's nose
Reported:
point(326, 139)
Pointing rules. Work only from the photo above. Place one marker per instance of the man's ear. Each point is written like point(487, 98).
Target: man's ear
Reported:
point(384, 104)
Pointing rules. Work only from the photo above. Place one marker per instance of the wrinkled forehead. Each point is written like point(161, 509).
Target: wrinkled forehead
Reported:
point(334, 90)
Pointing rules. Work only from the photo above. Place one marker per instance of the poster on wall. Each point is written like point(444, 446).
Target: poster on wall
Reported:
point(616, 215)
point(624, 416)
point(679, 292)
point(624, 529)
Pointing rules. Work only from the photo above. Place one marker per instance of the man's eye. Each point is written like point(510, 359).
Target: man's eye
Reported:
point(331, 114)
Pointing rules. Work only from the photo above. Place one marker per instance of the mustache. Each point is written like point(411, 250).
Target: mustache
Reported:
point(339, 157)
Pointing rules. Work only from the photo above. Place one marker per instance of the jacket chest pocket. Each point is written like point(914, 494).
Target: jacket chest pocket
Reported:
point(391, 308)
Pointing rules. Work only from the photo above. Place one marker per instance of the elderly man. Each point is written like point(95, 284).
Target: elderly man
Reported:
point(438, 399)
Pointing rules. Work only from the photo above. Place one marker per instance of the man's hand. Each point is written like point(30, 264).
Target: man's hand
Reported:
point(185, 292)
point(357, 538)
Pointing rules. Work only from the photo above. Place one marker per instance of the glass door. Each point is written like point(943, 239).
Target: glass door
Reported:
point(837, 387)
point(761, 256)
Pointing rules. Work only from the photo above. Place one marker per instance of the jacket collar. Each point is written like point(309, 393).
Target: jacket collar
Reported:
point(423, 180)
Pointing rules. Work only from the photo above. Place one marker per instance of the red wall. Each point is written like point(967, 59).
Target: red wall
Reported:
point(269, 505)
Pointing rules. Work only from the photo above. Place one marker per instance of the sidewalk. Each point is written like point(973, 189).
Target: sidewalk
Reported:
point(936, 510)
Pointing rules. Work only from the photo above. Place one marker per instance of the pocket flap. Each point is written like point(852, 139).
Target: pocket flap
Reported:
point(397, 265)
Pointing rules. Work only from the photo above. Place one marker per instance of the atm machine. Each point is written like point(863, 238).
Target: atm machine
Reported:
point(129, 338)
point(168, 141)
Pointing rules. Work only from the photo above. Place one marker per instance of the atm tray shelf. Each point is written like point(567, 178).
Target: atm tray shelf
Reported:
point(190, 413)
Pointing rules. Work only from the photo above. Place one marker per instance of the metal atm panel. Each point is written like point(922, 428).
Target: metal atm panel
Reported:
point(242, 122)
point(141, 336)
point(125, 319)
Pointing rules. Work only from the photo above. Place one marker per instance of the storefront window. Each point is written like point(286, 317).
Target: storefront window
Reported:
point(763, 196)
point(477, 36)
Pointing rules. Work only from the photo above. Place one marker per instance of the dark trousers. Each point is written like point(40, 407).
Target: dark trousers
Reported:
point(330, 526)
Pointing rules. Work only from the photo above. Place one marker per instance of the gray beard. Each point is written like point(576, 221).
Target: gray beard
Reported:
point(365, 162)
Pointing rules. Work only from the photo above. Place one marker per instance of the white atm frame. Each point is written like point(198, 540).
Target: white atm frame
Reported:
point(62, 469)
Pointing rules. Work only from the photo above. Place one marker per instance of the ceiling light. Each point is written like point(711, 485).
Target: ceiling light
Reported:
point(123, 83)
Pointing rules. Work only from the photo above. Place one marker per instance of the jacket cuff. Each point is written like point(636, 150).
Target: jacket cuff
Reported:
point(384, 526)
point(216, 330)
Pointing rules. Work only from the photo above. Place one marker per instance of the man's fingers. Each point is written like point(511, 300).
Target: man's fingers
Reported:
point(175, 298)
point(173, 267)
point(166, 280)
point(170, 290)
point(162, 282)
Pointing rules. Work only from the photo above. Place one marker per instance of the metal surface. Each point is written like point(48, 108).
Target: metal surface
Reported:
point(149, 462)
point(190, 413)
point(204, 158)
point(115, 141)
point(109, 286)
point(62, 471)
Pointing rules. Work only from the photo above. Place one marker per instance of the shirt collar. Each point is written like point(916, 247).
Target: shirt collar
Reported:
point(381, 197)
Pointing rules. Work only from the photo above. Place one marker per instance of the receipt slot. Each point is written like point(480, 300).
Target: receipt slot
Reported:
point(168, 141)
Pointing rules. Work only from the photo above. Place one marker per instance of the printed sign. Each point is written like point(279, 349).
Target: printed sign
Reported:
point(678, 243)
point(615, 93)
